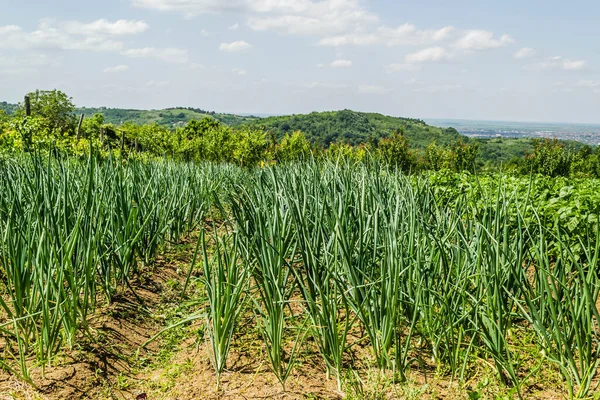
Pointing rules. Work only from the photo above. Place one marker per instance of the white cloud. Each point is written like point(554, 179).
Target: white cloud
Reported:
point(104, 27)
point(432, 54)
point(4, 30)
point(239, 71)
point(74, 36)
point(406, 34)
point(525, 52)
point(237, 46)
point(234, 27)
point(340, 63)
point(117, 68)
point(189, 7)
point(48, 36)
point(169, 54)
point(309, 17)
point(373, 89)
point(576, 65)
point(330, 22)
point(559, 63)
point(204, 33)
point(474, 40)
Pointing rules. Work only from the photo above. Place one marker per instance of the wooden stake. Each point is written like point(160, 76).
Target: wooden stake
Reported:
point(27, 106)
point(79, 127)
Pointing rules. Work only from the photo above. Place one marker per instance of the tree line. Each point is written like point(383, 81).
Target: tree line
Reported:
point(52, 124)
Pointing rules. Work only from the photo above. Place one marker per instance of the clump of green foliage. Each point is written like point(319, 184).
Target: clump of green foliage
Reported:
point(458, 157)
point(396, 151)
point(549, 157)
point(293, 147)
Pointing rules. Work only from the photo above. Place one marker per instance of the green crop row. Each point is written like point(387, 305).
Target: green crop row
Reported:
point(444, 267)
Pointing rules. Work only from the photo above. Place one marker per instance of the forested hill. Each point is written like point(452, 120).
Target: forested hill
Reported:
point(356, 127)
point(322, 128)
point(171, 117)
point(7, 107)
point(319, 127)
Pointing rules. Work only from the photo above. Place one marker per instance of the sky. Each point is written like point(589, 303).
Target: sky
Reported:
point(511, 60)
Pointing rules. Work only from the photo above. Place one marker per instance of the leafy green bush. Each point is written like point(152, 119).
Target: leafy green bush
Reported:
point(55, 108)
point(396, 152)
point(458, 157)
point(549, 157)
point(293, 147)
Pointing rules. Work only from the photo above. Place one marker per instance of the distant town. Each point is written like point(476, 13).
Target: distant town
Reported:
point(585, 133)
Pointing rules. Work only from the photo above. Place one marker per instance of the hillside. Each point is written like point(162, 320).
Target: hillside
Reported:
point(7, 107)
point(171, 117)
point(324, 128)
point(356, 127)
point(320, 127)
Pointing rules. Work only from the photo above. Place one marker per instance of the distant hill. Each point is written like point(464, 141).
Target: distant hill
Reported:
point(7, 107)
point(356, 127)
point(320, 127)
point(171, 117)
point(325, 127)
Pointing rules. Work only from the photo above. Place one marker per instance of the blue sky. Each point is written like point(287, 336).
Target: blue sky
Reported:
point(497, 60)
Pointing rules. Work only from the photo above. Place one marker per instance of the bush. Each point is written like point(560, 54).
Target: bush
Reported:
point(55, 108)
point(250, 147)
point(293, 147)
point(549, 157)
point(458, 157)
point(395, 151)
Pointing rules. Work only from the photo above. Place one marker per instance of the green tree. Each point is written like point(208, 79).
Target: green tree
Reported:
point(4, 120)
point(458, 157)
point(586, 162)
point(549, 157)
point(464, 156)
point(293, 147)
point(437, 157)
point(396, 152)
point(155, 139)
point(92, 126)
point(217, 144)
point(55, 107)
point(250, 147)
point(340, 151)
point(198, 128)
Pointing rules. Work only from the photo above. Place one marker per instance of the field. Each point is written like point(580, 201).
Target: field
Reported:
point(163, 279)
